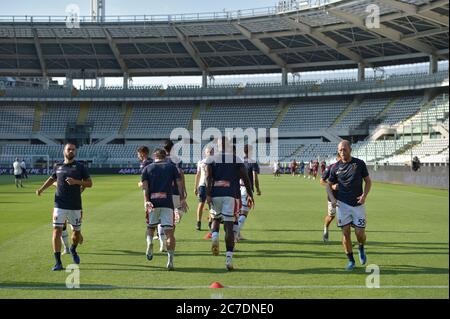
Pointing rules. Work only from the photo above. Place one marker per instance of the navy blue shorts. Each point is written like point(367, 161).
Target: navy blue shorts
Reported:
point(202, 194)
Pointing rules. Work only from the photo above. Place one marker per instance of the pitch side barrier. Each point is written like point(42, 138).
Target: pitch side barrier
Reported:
point(428, 176)
point(187, 168)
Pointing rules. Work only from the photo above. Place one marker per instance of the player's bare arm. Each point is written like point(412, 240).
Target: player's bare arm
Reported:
point(183, 202)
point(49, 182)
point(209, 183)
point(331, 195)
point(147, 203)
point(81, 187)
point(244, 177)
point(85, 183)
point(197, 180)
point(334, 187)
point(184, 182)
point(256, 182)
point(367, 187)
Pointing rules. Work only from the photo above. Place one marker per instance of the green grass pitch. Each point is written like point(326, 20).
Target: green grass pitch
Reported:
point(284, 256)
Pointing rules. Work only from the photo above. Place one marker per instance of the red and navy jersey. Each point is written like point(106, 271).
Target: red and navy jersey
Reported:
point(177, 163)
point(349, 177)
point(160, 177)
point(226, 175)
point(252, 167)
point(143, 164)
point(326, 175)
point(68, 196)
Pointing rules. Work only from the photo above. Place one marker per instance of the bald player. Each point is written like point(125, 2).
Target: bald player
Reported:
point(350, 173)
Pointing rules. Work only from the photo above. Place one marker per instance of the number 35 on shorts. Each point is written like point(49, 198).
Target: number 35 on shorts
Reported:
point(361, 222)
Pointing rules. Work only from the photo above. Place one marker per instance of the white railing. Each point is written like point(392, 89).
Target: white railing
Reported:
point(224, 15)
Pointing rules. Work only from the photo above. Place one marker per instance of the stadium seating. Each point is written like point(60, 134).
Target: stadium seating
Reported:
point(16, 119)
point(368, 109)
point(309, 116)
point(238, 115)
point(106, 119)
point(56, 117)
point(158, 120)
point(402, 109)
point(403, 112)
point(427, 150)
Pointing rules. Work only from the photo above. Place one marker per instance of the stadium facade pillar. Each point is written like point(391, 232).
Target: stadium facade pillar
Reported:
point(45, 82)
point(284, 76)
point(204, 79)
point(125, 80)
point(433, 64)
point(361, 72)
point(69, 82)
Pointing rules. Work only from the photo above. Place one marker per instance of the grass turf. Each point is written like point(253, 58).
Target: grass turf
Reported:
point(284, 256)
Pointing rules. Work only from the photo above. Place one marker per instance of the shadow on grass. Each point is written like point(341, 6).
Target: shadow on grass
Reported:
point(336, 230)
point(385, 270)
point(53, 286)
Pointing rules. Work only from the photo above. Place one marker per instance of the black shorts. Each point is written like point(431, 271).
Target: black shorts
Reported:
point(202, 194)
point(18, 176)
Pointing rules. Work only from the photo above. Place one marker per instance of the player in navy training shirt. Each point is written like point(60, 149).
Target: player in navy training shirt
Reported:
point(70, 176)
point(224, 170)
point(179, 212)
point(252, 170)
point(331, 210)
point(349, 173)
point(157, 179)
point(144, 160)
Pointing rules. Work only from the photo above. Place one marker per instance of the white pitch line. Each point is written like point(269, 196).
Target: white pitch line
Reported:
point(93, 287)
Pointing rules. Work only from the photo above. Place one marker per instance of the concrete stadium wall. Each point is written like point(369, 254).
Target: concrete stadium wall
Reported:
point(428, 176)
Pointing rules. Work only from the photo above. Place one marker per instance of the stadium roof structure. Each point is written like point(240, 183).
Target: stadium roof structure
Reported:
point(333, 35)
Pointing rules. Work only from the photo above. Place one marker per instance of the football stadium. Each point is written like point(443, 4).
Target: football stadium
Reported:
point(116, 104)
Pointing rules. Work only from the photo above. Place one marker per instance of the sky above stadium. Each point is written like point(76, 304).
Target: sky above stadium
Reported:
point(129, 7)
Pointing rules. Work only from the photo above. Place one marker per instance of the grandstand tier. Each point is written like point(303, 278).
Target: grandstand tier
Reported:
point(395, 127)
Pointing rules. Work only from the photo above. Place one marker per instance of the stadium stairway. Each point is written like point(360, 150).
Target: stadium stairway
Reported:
point(441, 129)
point(283, 106)
point(37, 118)
point(382, 130)
point(356, 101)
point(84, 112)
point(426, 105)
point(297, 152)
point(388, 107)
point(405, 149)
point(126, 117)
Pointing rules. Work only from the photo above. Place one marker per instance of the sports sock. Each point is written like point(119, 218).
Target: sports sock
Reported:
point(162, 235)
point(242, 220)
point(65, 239)
point(229, 254)
point(215, 236)
point(236, 230)
point(149, 240)
point(325, 229)
point(170, 254)
point(58, 257)
point(350, 257)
